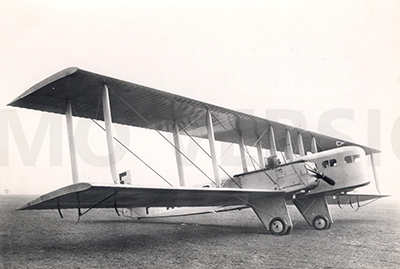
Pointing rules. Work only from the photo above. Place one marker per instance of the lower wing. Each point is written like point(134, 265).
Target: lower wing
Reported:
point(88, 195)
point(352, 198)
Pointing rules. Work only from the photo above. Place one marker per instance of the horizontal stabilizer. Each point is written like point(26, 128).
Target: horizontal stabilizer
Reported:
point(86, 195)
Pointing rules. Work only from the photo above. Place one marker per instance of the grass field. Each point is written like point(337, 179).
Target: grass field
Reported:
point(367, 238)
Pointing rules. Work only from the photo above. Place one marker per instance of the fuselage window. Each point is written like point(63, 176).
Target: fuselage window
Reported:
point(352, 158)
point(348, 159)
point(325, 164)
point(329, 163)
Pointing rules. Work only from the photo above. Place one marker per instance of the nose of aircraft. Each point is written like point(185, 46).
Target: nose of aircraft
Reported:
point(319, 175)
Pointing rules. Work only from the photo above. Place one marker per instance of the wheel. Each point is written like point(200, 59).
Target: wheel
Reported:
point(278, 226)
point(321, 223)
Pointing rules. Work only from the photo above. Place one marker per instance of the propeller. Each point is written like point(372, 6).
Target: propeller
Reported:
point(321, 175)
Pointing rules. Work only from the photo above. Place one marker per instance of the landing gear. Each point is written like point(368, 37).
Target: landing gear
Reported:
point(321, 223)
point(278, 226)
point(315, 211)
point(273, 213)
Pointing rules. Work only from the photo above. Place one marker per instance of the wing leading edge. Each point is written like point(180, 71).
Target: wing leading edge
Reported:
point(87, 195)
point(136, 105)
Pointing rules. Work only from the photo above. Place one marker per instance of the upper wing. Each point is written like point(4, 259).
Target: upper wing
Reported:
point(136, 105)
point(86, 195)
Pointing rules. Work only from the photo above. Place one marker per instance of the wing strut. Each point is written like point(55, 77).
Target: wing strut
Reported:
point(272, 144)
point(289, 147)
point(300, 145)
point(211, 139)
point(259, 146)
point(178, 155)
point(131, 152)
point(260, 154)
point(109, 133)
point(242, 154)
point(159, 132)
point(374, 172)
point(220, 167)
point(314, 148)
point(71, 142)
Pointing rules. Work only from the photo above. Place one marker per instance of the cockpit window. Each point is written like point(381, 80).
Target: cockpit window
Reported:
point(329, 163)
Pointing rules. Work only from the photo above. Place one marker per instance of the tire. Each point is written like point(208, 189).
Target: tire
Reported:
point(321, 223)
point(278, 226)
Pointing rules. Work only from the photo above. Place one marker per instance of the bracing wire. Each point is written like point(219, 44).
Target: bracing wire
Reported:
point(190, 123)
point(262, 135)
point(166, 139)
point(123, 145)
point(239, 135)
point(226, 150)
point(223, 170)
point(130, 151)
point(197, 144)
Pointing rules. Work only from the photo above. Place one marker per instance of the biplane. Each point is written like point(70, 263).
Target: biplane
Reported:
point(304, 168)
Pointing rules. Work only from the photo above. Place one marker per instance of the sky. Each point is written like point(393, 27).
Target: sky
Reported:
point(327, 66)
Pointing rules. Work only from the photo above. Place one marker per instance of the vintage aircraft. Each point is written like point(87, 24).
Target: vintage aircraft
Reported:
point(328, 174)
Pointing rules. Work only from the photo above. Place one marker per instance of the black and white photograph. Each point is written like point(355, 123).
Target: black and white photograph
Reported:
point(199, 134)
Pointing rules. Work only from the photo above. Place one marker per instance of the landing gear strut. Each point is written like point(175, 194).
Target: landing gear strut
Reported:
point(315, 211)
point(273, 213)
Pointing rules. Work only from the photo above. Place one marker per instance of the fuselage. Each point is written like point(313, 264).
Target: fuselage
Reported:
point(347, 166)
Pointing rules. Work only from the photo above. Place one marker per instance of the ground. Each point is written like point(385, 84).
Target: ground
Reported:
point(367, 238)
